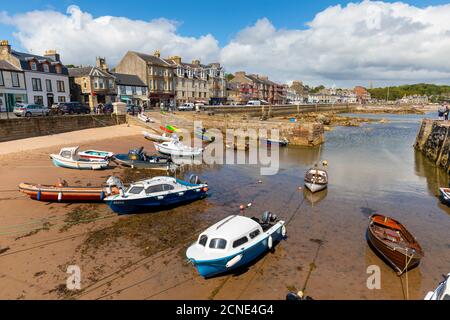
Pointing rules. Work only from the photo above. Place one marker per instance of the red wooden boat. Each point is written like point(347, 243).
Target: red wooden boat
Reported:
point(61, 192)
point(394, 243)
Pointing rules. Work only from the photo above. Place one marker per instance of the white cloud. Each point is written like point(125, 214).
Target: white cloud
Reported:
point(80, 37)
point(383, 42)
point(378, 41)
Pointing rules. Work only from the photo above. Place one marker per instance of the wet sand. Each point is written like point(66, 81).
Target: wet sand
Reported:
point(143, 256)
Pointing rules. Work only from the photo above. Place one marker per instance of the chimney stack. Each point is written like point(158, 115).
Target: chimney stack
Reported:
point(52, 54)
point(176, 59)
point(5, 49)
point(157, 54)
point(101, 63)
point(239, 74)
point(196, 62)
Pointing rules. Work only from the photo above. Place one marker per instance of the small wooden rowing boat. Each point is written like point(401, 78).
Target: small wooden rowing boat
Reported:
point(61, 192)
point(390, 239)
point(96, 154)
point(316, 179)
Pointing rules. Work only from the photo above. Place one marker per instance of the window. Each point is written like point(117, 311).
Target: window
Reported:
point(33, 66)
point(58, 69)
point(46, 67)
point(61, 99)
point(60, 85)
point(15, 79)
point(39, 100)
point(135, 190)
point(254, 234)
point(66, 154)
point(154, 189)
point(37, 86)
point(111, 84)
point(133, 90)
point(240, 242)
point(203, 240)
point(48, 84)
point(218, 244)
point(123, 89)
point(2, 82)
point(144, 91)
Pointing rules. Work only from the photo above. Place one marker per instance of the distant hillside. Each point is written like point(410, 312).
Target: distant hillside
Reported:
point(431, 90)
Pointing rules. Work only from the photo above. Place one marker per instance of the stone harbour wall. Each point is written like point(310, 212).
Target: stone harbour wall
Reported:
point(433, 140)
point(21, 128)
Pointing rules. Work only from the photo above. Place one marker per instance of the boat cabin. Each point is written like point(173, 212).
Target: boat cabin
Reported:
point(69, 153)
point(229, 233)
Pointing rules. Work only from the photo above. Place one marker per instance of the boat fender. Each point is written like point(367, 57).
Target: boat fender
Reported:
point(59, 196)
point(269, 242)
point(233, 261)
point(160, 197)
point(283, 230)
point(39, 195)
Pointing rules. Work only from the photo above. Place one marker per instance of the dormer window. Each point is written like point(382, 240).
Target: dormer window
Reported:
point(46, 67)
point(58, 69)
point(33, 65)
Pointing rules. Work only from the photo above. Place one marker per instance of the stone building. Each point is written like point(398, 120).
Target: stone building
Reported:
point(362, 95)
point(93, 85)
point(12, 86)
point(46, 78)
point(157, 73)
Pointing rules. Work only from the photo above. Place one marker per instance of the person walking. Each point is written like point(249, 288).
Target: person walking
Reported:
point(446, 111)
point(441, 112)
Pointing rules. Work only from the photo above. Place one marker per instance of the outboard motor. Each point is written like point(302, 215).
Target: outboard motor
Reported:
point(268, 217)
point(114, 181)
point(194, 179)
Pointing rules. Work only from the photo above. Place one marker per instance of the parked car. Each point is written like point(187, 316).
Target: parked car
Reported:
point(186, 107)
point(72, 108)
point(132, 109)
point(29, 110)
point(108, 108)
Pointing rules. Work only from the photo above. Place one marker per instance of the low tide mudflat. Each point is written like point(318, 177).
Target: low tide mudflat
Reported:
point(372, 168)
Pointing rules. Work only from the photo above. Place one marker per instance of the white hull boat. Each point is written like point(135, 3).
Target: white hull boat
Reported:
point(156, 137)
point(442, 292)
point(144, 118)
point(316, 179)
point(176, 148)
point(69, 158)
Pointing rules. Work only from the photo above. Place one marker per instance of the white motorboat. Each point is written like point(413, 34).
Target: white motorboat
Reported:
point(69, 158)
point(316, 179)
point(234, 242)
point(158, 138)
point(442, 292)
point(144, 118)
point(177, 148)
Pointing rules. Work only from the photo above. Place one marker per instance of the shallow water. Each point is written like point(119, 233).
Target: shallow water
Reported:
point(372, 168)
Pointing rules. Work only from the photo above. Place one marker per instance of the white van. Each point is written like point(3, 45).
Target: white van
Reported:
point(186, 107)
point(254, 103)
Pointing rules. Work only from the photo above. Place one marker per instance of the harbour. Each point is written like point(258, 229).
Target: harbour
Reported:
point(372, 168)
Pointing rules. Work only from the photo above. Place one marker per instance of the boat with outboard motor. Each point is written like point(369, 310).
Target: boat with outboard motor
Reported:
point(158, 138)
point(177, 148)
point(96, 154)
point(442, 292)
point(137, 158)
point(156, 193)
point(234, 242)
point(316, 179)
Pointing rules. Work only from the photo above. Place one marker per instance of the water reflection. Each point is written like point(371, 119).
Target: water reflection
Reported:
point(435, 177)
point(314, 198)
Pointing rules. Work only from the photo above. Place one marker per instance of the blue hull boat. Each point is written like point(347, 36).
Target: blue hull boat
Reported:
point(156, 194)
point(232, 243)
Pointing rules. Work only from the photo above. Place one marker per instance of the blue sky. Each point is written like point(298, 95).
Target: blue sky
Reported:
point(222, 18)
point(360, 42)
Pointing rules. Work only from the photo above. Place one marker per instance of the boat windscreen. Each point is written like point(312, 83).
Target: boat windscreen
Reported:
point(135, 189)
point(218, 244)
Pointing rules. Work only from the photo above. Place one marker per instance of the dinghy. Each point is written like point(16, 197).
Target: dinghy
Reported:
point(203, 135)
point(177, 148)
point(158, 138)
point(172, 128)
point(281, 142)
point(234, 242)
point(69, 158)
point(137, 158)
point(144, 118)
point(316, 179)
point(444, 195)
point(442, 292)
point(390, 239)
point(96, 154)
point(155, 194)
point(62, 192)
point(165, 129)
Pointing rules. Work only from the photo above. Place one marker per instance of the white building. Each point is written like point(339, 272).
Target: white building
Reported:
point(46, 78)
point(131, 89)
point(12, 86)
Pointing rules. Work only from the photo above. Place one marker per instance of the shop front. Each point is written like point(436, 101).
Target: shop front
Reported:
point(9, 100)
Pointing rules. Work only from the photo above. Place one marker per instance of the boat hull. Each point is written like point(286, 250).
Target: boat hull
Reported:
point(64, 194)
point(315, 187)
point(124, 206)
point(80, 165)
point(177, 153)
point(210, 268)
point(444, 195)
point(139, 164)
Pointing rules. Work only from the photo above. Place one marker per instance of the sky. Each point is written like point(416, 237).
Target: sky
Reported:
point(336, 43)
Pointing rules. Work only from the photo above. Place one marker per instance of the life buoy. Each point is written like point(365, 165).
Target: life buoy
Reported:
point(269, 242)
point(59, 196)
point(283, 230)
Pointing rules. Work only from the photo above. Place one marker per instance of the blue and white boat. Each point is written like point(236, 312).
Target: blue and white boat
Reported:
point(234, 242)
point(442, 292)
point(155, 194)
point(444, 195)
point(69, 158)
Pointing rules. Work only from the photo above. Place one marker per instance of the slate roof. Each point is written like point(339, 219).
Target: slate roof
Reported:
point(128, 80)
point(152, 59)
point(79, 72)
point(25, 57)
